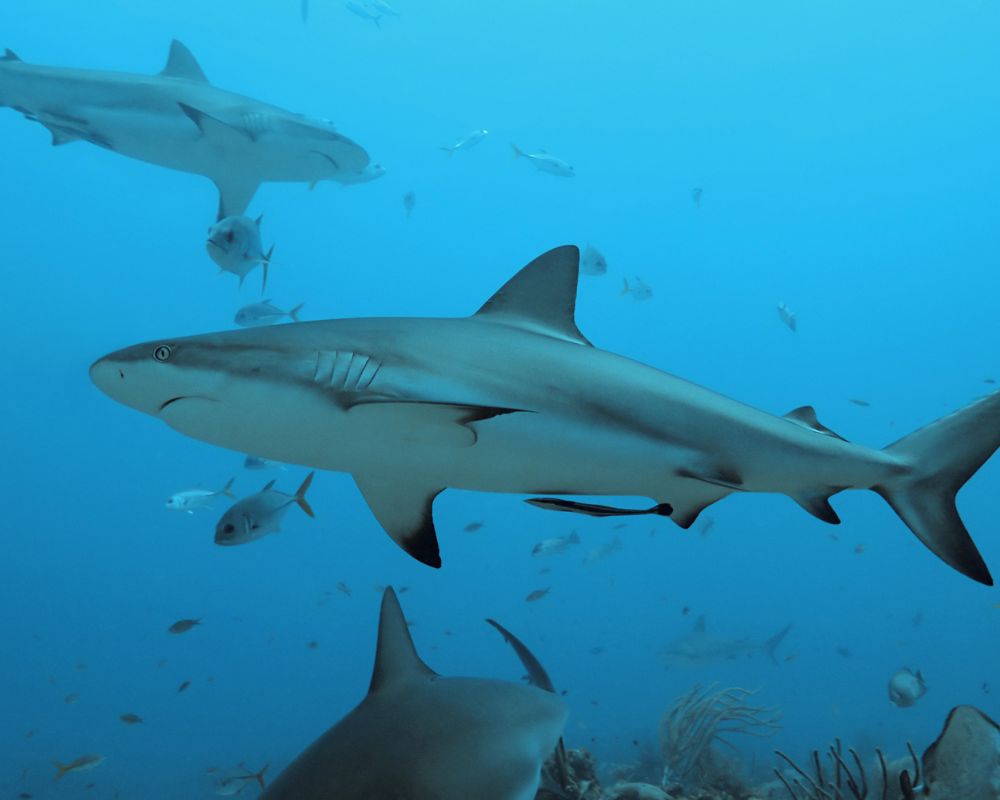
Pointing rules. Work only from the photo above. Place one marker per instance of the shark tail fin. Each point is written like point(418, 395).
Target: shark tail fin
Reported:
point(300, 495)
point(294, 313)
point(771, 645)
point(227, 490)
point(517, 150)
point(937, 460)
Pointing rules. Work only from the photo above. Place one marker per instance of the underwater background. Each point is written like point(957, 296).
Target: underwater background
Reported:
point(847, 157)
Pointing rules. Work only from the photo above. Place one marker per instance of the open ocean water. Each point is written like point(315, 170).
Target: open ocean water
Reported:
point(838, 159)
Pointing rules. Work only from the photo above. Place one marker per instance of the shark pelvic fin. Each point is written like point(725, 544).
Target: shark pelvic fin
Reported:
point(405, 512)
point(806, 417)
point(10, 55)
point(396, 658)
point(541, 297)
point(181, 64)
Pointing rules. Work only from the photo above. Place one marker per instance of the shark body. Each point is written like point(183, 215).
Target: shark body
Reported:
point(515, 399)
point(697, 647)
point(177, 119)
point(420, 735)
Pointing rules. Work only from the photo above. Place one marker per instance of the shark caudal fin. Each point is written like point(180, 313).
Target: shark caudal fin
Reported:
point(938, 460)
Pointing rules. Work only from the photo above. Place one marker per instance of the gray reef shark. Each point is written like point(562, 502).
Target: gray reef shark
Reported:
point(418, 735)
point(177, 119)
point(699, 647)
point(515, 399)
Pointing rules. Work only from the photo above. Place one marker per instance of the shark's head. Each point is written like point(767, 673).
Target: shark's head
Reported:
point(233, 239)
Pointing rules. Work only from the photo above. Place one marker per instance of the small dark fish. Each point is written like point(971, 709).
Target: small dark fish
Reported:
point(696, 193)
point(183, 687)
point(859, 402)
point(706, 525)
point(183, 625)
point(918, 619)
point(844, 652)
point(344, 588)
point(986, 688)
point(71, 698)
point(859, 549)
point(472, 527)
point(595, 510)
point(312, 645)
point(786, 315)
point(596, 651)
point(989, 380)
point(81, 667)
point(685, 611)
point(409, 202)
point(130, 719)
point(538, 594)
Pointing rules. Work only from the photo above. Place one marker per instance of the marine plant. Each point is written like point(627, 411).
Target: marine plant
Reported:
point(844, 777)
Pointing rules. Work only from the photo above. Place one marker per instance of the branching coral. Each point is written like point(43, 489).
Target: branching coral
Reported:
point(844, 777)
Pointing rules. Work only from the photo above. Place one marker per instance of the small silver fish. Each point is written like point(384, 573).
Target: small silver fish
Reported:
point(638, 289)
point(193, 500)
point(263, 313)
point(556, 545)
point(383, 8)
point(906, 687)
point(234, 244)
point(543, 162)
point(467, 142)
point(260, 514)
point(81, 764)
point(601, 552)
point(363, 10)
point(257, 462)
point(593, 262)
point(786, 315)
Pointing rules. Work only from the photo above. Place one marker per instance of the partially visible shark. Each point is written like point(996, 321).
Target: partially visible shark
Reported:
point(515, 399)
point(698, 647)
point(178, 119)
point(420, 736)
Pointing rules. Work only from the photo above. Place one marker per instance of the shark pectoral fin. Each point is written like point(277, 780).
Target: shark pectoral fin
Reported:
point(818, 504)
point(418, 423)
point(715, 474)
point(404, 510)
point(541, 297)
point(235, 194)
point(806, 417)
point(181, 64)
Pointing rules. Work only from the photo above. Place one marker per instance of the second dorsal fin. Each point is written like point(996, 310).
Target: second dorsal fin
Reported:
point(541, 297)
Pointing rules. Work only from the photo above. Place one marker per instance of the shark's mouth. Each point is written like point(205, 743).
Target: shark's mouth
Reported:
point(173, 401)
point(169, 402)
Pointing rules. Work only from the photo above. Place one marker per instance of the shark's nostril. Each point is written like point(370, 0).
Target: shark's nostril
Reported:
point(121, 374)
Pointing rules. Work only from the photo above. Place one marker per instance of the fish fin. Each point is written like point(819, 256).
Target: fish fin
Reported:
point(405, 511)
point(227, 490)
point(517, 150)
point(269, 486)
point(715, 474)
point(818, 504)
point(418, 422)
point(806, 417)
point(300, 495)
point(235, 195)
point(574, 538)
point(625, 288)
point(935, 462)
point(294, 313)
point(214, 128)
point(181, 64)
point(771, 645)
point(62, 135)
point(258, 221)
point(264, 264)
point(10, 55)
point(396, 658)
point(61, 770)
point(541, 297)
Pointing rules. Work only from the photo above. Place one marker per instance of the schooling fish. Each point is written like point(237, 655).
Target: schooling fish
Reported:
point(602, 551)
point(81, 764)
point(183, 626)
point(263, 313)
point(234, 244)
point(555, 545)
point(638, 289)
point(906, 687)
point(466, 142)
point(409, 203)
point(260, 514)
point(364, 10)
point(786, 315)
point(543, 162)
point(192, 500)
point(593, 261)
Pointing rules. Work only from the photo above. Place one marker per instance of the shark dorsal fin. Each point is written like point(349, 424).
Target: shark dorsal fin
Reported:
point(9, 55)
point(541, 297)
point(699, 624)
point(396, 658)
point(806, 416)
point(181, 64)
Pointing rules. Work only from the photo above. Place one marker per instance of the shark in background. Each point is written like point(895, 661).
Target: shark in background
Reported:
point(177, 119)
point(515, 399)
point(419, 735)
point(698, 647)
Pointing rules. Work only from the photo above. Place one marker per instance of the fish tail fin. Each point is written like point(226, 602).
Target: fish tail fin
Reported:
point(294, 313)
point(517, 150)
point(300, 495)
point(771, 645)
point(936, 462)
point(227, 490)
point(61, 770)
point(448, 150)
point(264, 264)
point(574, 538)
point(259, 775)
point(625, 288)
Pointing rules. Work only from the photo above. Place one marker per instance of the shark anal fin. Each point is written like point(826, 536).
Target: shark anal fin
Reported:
point(806, 417)
point(396, 658)
point(235, 195)
point(818, 504)
point(182, 64)
point(405, 511)
point(422, 423)
point(541, 297)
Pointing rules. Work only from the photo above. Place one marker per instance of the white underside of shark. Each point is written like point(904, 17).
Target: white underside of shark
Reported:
point(514, 399)
point(177, 119)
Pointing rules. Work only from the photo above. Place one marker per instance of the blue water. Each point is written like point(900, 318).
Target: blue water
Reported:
point(847, 154)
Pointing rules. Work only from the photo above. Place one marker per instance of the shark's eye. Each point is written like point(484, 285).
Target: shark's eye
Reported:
point(161, 353)
point(228, 528)
point(229, 236)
